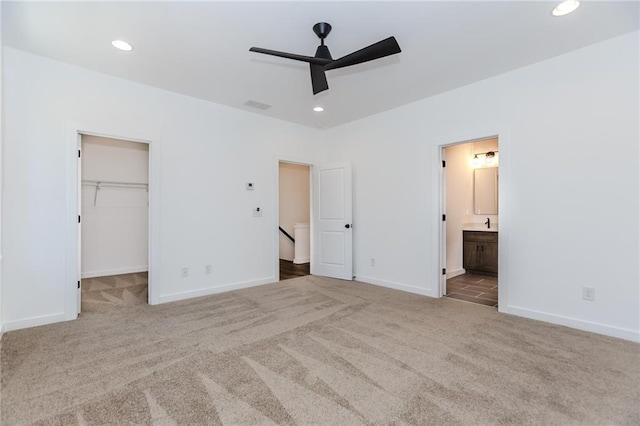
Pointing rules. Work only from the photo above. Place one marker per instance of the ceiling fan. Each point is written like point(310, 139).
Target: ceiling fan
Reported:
point(323, 61)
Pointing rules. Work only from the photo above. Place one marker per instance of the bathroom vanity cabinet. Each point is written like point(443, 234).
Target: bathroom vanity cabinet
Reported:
point(480, 252)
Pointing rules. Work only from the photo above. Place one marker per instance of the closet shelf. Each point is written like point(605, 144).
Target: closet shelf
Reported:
point(111, 183)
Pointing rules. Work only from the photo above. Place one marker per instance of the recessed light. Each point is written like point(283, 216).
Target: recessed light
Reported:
point(122, 45)
point(565, 7)
point(318, 109)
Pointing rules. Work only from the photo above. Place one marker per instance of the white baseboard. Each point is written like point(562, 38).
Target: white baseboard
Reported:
point(607, 330)
point(302, 260)
point(455, 273)
point(119, 271)
point(214, 290)
point(394, 285)
point(34, 321)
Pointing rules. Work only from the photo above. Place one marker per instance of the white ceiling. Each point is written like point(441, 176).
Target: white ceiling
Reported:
point(201, 49)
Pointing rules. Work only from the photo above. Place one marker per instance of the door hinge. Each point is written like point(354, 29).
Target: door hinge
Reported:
point(78, 218)
point(78, 284)
point(79, 154)
point(444, 271)
point(444, 163)
point(444, 217)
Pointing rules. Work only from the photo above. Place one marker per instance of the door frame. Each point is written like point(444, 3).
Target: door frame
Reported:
point(74, 131)
point(276, 209)
point(439, 207)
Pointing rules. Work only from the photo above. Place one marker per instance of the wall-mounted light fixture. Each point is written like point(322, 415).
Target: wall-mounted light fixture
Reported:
point(485, 159)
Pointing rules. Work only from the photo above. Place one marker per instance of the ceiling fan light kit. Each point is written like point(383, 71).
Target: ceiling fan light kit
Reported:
point(322, 61)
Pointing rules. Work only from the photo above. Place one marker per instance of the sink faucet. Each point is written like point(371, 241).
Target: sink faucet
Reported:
point(488, 223)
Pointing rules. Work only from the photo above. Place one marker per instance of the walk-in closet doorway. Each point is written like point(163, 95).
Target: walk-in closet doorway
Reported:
point(113, 223)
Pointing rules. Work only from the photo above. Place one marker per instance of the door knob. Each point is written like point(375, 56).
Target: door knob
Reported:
point(347, 226)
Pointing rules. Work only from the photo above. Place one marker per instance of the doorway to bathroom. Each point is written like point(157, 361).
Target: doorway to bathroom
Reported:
point(470, 221)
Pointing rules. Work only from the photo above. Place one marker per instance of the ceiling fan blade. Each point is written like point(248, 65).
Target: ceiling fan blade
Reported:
point(386, 47)
point(318, 79)
point(309, 59)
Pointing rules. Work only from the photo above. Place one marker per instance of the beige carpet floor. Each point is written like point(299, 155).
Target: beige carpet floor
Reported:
point(315, 351)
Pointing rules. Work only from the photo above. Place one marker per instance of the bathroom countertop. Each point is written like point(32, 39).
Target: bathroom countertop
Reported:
point(479, 227)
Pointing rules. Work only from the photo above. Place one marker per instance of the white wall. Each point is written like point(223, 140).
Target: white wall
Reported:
point(294, 203)
point(115, 220)
point(569, 162)
point(569, 218)
point(205, 153)
point(459, 198)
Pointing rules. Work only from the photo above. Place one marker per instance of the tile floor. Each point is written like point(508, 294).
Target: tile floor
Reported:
point(482, 289)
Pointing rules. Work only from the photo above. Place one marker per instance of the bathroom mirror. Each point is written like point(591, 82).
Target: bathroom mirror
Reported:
point(485, 190)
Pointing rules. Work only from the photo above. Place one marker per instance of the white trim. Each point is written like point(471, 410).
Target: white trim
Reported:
point(154, 220)
point(607, 330)
point(396, 286)
point(173, 297)
point(71, 274)
point(73, 132)
point(456, 273)
point(35, 321)
point(442, 229)
point(439, 227)
point(465, 135)
point(302, 260)
point(110, 272)
point(503, 222)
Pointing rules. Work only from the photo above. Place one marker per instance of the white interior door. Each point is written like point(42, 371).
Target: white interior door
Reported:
point(333, 238)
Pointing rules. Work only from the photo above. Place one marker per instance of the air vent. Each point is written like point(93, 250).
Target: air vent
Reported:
point(258, 105)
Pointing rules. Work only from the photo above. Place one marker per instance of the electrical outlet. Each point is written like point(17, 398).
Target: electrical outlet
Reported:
point(185, 272)
point(208, 269)
point(589, 293)
point(373, 261)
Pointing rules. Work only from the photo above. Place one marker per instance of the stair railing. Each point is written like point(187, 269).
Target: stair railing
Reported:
point(286, 234)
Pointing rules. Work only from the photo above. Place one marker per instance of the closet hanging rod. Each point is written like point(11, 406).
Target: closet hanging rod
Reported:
point(100, 183)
